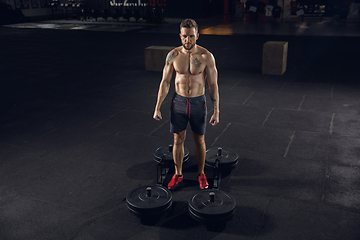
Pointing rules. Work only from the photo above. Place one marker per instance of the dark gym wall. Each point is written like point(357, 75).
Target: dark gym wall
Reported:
point(176, 8)
point(193, 8)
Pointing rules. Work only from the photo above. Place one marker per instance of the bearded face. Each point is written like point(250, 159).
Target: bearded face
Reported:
point(188, 37)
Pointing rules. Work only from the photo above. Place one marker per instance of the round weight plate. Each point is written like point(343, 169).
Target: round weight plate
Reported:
point(166, 151)
point(227, 158)
point(211, 205)
point(148, 201)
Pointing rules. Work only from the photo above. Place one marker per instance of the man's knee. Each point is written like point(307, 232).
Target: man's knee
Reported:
point(179, 138)
point(199, 139)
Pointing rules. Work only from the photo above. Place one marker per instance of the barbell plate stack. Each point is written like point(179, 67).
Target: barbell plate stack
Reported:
point(211, 206)
point(149, 201)
point(227, 158)
point(164, 153)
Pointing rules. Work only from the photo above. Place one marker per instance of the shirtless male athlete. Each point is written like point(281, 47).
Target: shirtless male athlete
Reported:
point(193, 65)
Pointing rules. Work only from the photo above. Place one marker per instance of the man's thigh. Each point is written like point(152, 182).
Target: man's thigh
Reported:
point(178, 116)
point(198, 118)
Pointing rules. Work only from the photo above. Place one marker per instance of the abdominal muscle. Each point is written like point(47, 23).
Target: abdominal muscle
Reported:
point(188, 85)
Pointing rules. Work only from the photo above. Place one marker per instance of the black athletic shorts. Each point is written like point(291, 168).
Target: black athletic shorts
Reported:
point(184, 110)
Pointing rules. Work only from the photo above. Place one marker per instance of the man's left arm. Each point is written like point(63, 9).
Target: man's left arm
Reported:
point(212, 77)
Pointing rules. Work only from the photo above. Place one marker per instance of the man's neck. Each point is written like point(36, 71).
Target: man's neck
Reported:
point(191, 51)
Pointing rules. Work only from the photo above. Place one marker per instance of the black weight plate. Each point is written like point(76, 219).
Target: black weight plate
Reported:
point(202, 209)
point(227, 158)
point(142, 204)
point(165, 151)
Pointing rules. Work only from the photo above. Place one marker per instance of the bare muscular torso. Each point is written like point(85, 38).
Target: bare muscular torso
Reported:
point(190, 71)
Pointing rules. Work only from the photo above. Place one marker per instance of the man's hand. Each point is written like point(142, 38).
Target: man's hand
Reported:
point(157, 115)
point(214, 119)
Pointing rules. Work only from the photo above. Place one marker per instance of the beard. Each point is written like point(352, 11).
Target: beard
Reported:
point(188, 46)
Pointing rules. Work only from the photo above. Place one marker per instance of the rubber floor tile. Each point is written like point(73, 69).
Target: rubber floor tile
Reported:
point(129, 121)
point(228, 78)
point(16, 156)
point(299, 120)
point(344, 150)
point(269, 101)
point(347, 125)
point(111, 186)
point(258, 139)
point(308, 89)
point(129, 151)
point(22, 130)
point(70, 140)
point(213, 133)
point(342, 187)
point(348, 91)
point(84, 115)
point(252, 115)
point(118, 223)
point(308, 145)
point(142, 101)
point(332, 105)
point(41, 108)
point(279, 176)
point(261, 84)
point(238, 96)
point(29, 218)
point(325, 147)
point(39, 178)
point(97, 97)
point(301, 220)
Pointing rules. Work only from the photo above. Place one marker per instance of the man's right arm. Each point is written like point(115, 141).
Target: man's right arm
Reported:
point(165, 83)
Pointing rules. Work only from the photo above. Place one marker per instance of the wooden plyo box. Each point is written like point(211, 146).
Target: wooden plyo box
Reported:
point(155, 57)
point(274, 58)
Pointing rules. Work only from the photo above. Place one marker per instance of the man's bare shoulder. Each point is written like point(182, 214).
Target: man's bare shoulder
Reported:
point(206, 55)
point(171, 55)
point(176, 51)
point(203, 51)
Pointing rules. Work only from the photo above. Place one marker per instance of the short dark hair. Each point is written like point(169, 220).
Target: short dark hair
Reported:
point(189, 23)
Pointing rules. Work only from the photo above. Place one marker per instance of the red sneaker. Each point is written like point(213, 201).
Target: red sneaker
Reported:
point(203, 182)
point(175, 181)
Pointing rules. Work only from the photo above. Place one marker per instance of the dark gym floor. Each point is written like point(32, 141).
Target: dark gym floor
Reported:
point(77, 134)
